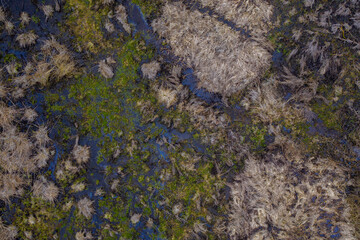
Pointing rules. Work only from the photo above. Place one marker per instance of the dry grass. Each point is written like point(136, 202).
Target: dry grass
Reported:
point(223, 61)
point(9, 26)
point(150, 70)
point(41, 157)
point(265, 101)
point(51, 46)
point(279, 198)
point(3, 90)
point(24, 18)
point(41, 136)
point(81, 154)
point(78, 187)
point(11, 68)
point(83, 235)
point(26, 39)
point(7, 232)
point(105, 70)
point(7, 115)
point(121, 16)
point(252, 15)
point(167, 97)
point(85, 207)
point(64, 65)
point(42, 73)
point(2, 15)
point(11, 185)
point(45, 189)
point(29, 115)
point(17, 93)
point(107, 2)
point(15, 151)
point(109, 26)
point(48, 11)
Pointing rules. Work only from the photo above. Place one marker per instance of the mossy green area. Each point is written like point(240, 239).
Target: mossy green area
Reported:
point(149, 162)
point(40, 219)
point(86, 19)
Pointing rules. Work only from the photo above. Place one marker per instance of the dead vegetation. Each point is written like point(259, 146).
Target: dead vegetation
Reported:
point(223, 61)
point(81, 154)
point(279, 198)
point(105, 70)
point(8, 232)
point(48, 11)
point(83, 235)
point(45, 189)
point(26, 39)
point(19, 154)
point(85, 207)
point(150, 70)
point(24, 18)
point(121, 16)
point(55, 63)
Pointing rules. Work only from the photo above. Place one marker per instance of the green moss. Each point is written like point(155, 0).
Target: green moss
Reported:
point(46, 215)
point(9, 58)
point(149, 8)
point(35, 19)
point(329, 114)
point(85, 20)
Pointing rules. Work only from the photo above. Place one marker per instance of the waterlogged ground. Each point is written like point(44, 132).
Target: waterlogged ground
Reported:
point(155, 171)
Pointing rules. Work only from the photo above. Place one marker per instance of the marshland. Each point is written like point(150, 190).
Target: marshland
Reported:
point(180, 119)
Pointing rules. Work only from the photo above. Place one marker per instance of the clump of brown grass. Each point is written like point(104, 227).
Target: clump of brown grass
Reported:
point(7, 232)
point(280, 198)
point(48, 11)
point(105, 70)
point(11, 68)
point(9, 26)
point(121, 16)
point(3, 90)
point(26, 39)
point(29, 115)
point(41, 136)
point(42, 73)
point(7, 115)
point(81, 154)
point(63, 64)
point(11, 185)
point(15, 151)
point(45, 189)
point(85, 207)
point(18, 93)
point(107, 2)
point(2, 15)
point(41, 157)
point(51, 46)
point(24, 18)
point(109, 26)
point(83, 235)
point(60, 64)
point(149, 70)
point(77, 187)
point(223, 61)
point(167, 97)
